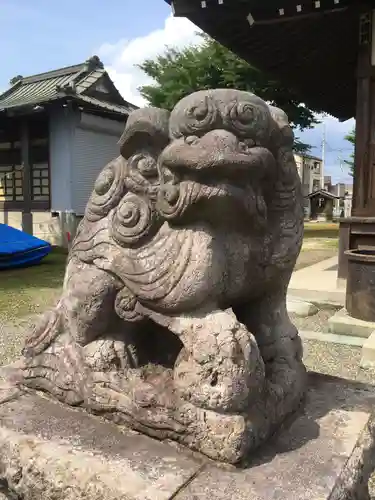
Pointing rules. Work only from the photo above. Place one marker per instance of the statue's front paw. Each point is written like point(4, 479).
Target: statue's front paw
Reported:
point(221, 368)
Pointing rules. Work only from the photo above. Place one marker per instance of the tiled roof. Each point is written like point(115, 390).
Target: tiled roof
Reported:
point(323, 193)
point(72, 81)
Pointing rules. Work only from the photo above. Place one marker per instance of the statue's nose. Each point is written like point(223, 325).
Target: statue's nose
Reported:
point(220, 139)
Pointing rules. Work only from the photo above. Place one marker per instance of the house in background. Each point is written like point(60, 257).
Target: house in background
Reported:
point(322, 199)
point(343, 193)
point(57, 131)
point(311, 175)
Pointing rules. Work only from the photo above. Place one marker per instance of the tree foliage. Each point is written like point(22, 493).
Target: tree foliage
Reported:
point(178, 73)
point(351, 138)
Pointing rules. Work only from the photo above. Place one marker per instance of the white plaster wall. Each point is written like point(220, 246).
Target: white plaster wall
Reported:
point(62, 123)
point(45, 226)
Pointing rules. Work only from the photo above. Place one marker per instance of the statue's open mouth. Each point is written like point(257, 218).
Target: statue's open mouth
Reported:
point(217, 165)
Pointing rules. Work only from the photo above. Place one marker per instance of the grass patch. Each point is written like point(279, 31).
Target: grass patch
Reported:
point(319, 243)
point(32, 289)
point(321, 230)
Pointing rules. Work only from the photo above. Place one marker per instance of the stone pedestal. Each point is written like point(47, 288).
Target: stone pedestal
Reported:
point(368, 352)
point(341, 323)
point(52, 451)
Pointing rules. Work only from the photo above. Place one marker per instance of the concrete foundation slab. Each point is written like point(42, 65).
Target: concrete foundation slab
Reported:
point(368, 352)
point(50, 451)
point(343, 324)
point(75, 456)
point(318, 283)
point(332, 338)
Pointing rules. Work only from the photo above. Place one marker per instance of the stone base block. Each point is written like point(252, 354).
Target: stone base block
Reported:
point(50, 451)
point(343, 324)
point(368, 352)
point(332, 338)
point(300, 307)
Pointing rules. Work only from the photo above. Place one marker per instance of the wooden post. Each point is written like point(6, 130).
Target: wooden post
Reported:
point(27, 217)
point(364, 180)
point(358, 231)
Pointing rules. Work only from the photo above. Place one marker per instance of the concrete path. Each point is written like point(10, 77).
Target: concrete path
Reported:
point(318, 283)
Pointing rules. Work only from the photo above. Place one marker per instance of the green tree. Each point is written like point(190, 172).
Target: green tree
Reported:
point(351, 138)
point(177, 73)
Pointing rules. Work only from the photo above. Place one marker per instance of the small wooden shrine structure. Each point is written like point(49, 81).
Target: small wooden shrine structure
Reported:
point(321, 205)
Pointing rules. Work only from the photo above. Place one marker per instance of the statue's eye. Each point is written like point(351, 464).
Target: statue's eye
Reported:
point(200, 112)
point(250, 120)
point(196, 119)
point(245, 113)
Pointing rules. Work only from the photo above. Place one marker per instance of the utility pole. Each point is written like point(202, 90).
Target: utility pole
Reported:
point(341, 161)
point(323, 155)
point(303, 173)
point(303, 164)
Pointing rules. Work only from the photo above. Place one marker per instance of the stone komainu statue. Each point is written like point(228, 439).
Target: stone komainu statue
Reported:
point(173, 314)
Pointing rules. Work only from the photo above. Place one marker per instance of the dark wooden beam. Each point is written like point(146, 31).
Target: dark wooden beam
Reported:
point(364, 178)
point(18, 206)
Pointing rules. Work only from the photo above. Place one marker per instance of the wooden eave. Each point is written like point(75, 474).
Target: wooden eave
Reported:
point(313, 50)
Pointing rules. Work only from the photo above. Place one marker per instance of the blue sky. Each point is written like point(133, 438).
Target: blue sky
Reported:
point(37, 35)
point(40, 35)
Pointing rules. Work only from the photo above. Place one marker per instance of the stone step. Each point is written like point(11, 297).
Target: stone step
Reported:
point(332, 338)
point(300, 307)
point(343, 324)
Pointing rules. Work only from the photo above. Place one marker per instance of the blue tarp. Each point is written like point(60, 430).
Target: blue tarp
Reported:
point(19, 249)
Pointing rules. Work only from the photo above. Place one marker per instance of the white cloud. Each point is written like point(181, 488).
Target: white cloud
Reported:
point(120, 58)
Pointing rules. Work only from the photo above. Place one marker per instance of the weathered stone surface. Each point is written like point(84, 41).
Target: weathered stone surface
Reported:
point(328, 453)
point(173, 315)
point(300, 307)
point(50, 451)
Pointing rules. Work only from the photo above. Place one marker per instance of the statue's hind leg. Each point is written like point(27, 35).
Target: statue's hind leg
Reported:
point(281, 350)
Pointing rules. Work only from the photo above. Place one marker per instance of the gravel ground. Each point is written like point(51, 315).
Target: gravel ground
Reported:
point(325, 357)
point(337, 360)
point(316, 322)
point(12, 337)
